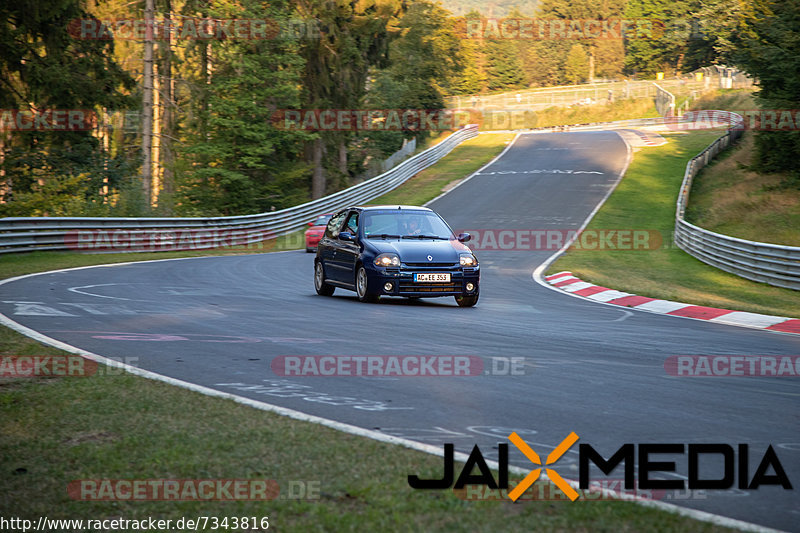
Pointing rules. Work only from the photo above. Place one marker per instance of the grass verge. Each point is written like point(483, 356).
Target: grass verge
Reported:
point(119, 426)
point(645, 200)
point(730, 198)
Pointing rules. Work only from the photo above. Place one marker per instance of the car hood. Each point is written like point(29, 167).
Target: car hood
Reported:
point(417, 251)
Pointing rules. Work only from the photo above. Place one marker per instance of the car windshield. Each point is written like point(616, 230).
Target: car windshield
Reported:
point(322, 220)
point(405, 224)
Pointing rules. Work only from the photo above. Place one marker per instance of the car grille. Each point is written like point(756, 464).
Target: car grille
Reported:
point(435, 265)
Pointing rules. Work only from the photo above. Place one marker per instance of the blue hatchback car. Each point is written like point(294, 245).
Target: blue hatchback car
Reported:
point(395, 251)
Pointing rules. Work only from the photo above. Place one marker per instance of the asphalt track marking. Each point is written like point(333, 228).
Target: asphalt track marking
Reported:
point(35, 309)
point(354, 430)
point(78, 291)
point(538, 171)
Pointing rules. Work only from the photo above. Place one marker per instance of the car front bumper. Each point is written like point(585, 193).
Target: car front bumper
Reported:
point(403, 283)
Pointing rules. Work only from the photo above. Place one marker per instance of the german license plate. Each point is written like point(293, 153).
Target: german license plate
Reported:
point(434, 277)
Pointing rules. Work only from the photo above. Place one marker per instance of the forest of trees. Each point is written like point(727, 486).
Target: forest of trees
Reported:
point(184, 122)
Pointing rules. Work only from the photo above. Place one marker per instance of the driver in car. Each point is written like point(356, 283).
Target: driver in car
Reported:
point(414, 226)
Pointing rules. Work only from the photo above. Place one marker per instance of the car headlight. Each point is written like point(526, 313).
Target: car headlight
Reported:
point(387, 260)
point(467, 260)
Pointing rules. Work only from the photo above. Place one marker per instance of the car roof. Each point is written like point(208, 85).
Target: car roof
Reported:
point(393, 206)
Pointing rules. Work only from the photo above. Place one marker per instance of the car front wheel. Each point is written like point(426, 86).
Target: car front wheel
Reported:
point(362, 287)
point(323, 288)
point(467, 300)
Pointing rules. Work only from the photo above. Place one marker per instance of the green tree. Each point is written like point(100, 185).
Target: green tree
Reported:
point(471, 79)
point(426, 55)
point(354, 38)
point(766, 46)
point(605, 55)
point(241, 161)
point(667, 49)
point(504, 67)
point(43, 66)
point(576, 67)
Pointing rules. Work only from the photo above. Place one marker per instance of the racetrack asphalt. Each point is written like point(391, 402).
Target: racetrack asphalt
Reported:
point(589, 368)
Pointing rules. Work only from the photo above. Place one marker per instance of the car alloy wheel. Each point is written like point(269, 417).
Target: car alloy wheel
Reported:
point(362, 287)
point(323, 289)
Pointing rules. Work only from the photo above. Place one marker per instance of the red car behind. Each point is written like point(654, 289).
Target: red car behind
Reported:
point(315, 231)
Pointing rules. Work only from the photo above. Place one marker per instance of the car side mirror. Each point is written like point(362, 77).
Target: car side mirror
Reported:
point(464, 237)
point(311, 223)
point(346, 236)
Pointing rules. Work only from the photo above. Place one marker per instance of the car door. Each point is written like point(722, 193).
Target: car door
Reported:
point(329, 245)
point(339, 263)
point(348, 252)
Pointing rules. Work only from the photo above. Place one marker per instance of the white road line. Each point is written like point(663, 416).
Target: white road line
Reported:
point(78, 291)
point(477, 172)
point(340, 426)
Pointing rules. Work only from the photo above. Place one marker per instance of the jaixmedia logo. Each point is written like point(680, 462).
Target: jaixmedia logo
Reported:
point(734, 460)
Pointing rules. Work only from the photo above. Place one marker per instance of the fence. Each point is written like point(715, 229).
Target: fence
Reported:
point(665, 102)
point(63, 233)
point(774, 264)
point(568, 95)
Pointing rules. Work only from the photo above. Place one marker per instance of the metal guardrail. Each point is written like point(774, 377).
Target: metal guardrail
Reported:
point(774, 264)
point(665, 102)
point(27, 234)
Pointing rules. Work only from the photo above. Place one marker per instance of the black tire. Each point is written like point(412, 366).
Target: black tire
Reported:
point(310, 250)
point(362, 287)
point(467, 301)
point(323, 288)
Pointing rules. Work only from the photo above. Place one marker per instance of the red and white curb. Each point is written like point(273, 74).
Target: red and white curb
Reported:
point(566, 282)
